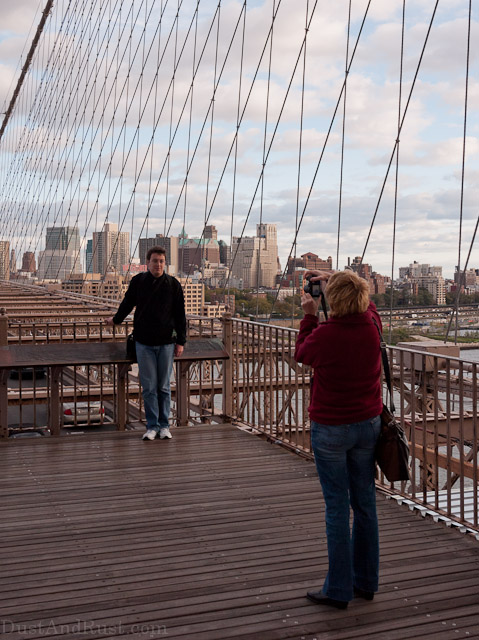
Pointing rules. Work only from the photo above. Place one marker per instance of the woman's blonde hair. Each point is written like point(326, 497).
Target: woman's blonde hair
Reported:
point(347, 293)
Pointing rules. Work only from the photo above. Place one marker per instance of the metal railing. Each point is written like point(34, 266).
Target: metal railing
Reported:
point(436, 401)
point(66, 332)
point(270, 390)
point(88, 394)
point(261, 387)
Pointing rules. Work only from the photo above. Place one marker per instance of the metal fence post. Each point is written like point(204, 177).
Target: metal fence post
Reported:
point(228, 367)
point(3, 328)
point(4, 377)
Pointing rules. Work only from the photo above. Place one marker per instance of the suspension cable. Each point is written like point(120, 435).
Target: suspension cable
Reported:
point(396, 181)
point(343, 136)
point(461, 276)
point(393, 153)
point(325, 143)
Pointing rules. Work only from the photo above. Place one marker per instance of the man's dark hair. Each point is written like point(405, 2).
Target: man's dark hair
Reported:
point(153, 250)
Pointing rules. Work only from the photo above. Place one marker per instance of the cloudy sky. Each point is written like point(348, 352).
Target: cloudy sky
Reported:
point(123, 131)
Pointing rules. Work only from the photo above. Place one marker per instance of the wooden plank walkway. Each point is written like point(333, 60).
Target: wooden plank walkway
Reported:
point(214, 534)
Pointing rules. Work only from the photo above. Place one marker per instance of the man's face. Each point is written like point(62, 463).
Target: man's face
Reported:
point(156, 264)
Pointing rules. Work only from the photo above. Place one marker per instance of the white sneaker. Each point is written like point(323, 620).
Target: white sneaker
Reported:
point(165, 433)
point(150, 435)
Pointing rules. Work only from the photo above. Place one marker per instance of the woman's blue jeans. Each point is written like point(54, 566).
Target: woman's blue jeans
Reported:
point(344, 457)
point(155, 365)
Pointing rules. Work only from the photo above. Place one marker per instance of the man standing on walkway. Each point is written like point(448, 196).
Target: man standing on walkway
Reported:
point(159, 329)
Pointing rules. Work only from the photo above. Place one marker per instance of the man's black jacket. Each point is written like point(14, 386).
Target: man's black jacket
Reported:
point(160, 309)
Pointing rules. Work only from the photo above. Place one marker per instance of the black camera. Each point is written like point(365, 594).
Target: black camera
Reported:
point(313, 288)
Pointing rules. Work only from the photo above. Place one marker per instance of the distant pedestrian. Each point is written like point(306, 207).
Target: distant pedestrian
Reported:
point(159, 329)
point(345, 412)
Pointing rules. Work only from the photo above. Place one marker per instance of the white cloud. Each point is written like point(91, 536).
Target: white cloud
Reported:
point(18, 17)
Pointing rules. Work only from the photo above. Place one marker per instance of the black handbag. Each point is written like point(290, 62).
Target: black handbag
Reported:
point(392, 448)
point(131, 347)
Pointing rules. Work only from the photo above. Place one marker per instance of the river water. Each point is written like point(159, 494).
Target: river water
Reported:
point(470, 354)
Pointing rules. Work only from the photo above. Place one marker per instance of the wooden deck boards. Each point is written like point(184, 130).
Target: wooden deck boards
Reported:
point(214, 534)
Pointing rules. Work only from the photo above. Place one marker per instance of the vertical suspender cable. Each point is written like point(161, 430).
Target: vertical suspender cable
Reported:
point(257, 258)
point(325, 143)
point(115, 249)
point(240, 120)
point(397, 171)
point(343, 134)
point(202, 246)
point(155, 103)
point(190, 124)
point(173, 78)
point(300, 150)
point(461, 276)
point(138, 124)
point(235, 164)
point(403, 117)
point(62, 100)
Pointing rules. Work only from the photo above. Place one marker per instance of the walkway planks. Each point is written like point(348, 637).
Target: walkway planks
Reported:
point(214, 534)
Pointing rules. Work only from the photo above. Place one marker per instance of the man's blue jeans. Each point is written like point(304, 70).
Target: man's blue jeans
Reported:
point(344, 457)
point(155, 365)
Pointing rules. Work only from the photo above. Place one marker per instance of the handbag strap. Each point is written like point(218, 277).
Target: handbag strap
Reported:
point(322, 299)
point(387, 371)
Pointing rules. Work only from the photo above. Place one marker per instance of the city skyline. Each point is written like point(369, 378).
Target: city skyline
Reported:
point(148, 242)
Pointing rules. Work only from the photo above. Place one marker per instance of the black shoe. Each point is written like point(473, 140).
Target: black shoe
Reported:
point(318, 598)
point(360, 593)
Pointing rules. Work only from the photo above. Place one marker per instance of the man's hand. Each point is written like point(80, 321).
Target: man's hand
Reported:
point(309, 304)
point(178, 349)
point(108, 321)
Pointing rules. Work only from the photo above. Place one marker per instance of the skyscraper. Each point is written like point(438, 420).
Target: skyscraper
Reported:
point(111, 249)
point(4, 260)
point(196, 252)
point(13, 261)
point(89, 257)
point(62, 239)
point(224, 249)
point(255, 259)
point(28, 262)
point(211, 232)
point(61, 256)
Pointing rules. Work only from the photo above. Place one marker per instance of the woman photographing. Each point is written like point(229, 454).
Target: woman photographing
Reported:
point(345, 410)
